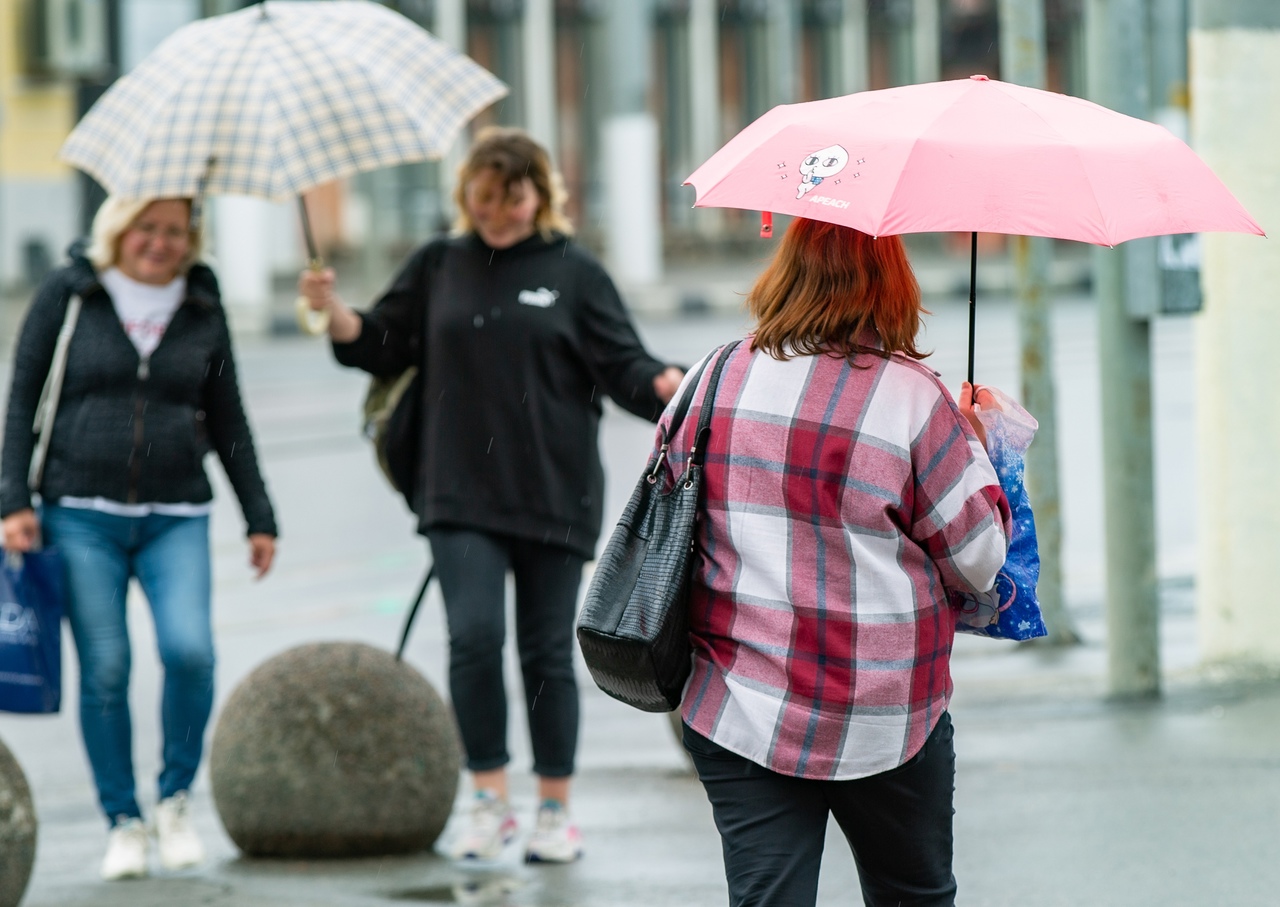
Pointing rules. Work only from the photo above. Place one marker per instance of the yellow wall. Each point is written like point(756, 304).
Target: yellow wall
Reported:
point(36, 115)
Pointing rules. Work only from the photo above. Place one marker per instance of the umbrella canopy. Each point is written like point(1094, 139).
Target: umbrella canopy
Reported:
point(971, 155)
point(277, 98)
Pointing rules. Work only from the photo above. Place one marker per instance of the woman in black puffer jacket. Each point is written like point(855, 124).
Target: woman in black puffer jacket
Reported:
point(150, 388)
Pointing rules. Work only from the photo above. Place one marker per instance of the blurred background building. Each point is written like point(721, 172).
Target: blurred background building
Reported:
point(615, 88)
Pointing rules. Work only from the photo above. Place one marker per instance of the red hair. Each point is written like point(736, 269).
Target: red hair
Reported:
point(827, 286)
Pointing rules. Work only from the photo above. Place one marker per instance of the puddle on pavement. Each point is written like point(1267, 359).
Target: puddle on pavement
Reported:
point(488, 892)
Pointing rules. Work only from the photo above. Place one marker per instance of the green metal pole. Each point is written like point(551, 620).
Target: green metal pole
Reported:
point(1118, 77)
point(1022, 61)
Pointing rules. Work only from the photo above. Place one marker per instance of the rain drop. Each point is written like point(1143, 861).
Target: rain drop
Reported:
point(478, 321)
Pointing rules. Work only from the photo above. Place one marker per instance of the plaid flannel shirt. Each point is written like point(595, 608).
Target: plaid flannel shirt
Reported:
point(840, 504)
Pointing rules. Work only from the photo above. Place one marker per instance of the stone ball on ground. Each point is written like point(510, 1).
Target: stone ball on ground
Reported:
point(17, 830)
point(334, 750)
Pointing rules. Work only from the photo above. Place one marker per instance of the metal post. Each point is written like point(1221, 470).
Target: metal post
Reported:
point(926, 40)
point(539, 71)
point(450, 26)
point(633, 221)
point(784, 51)
point(1022, 61)
point(1118, 77)
point(704, 97)
point(853, 47)
point(899, 16)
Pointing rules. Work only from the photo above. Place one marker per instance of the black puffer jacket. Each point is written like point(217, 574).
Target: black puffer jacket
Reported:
point(127, 429)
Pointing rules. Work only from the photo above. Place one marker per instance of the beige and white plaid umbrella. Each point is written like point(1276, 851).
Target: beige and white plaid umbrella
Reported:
point(277, 98)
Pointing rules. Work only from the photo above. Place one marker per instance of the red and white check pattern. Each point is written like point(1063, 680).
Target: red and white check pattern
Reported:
point(841, 503)
point(283, 96)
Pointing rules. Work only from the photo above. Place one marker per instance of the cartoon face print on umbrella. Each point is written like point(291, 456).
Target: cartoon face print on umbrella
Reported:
point(820, 165)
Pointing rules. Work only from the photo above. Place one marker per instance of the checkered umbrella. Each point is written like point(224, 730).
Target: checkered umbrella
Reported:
point(277, 98)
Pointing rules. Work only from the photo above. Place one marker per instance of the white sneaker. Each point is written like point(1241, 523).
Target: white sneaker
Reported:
point(180, 846)
point(555, 839)
point(490, 827)
point(127, 846)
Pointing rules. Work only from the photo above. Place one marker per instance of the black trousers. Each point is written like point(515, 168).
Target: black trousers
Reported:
point(472, 567)
point(772, 826)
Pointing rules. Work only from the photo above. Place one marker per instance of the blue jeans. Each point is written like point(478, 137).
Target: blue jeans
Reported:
point(169, 555)
point(472, 567)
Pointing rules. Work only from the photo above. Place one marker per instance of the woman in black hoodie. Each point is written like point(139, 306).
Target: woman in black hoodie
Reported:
point(149, 388)
point(519, 333)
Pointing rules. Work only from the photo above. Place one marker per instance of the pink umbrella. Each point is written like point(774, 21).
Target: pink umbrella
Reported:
point(972, 155)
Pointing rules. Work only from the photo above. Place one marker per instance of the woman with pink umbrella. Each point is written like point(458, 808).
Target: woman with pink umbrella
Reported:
point(846, 496)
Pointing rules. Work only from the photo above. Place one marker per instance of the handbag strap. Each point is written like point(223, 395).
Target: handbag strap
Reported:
point(698, 453)
point(47, 407)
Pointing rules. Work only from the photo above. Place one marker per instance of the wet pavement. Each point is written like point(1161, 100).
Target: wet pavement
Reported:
point(1063, 796)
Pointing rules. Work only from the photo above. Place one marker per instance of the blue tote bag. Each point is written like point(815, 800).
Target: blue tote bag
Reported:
point(32, 600)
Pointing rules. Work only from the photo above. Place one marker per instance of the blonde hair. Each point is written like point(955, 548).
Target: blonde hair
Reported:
point(114, 218)
point(513, 155)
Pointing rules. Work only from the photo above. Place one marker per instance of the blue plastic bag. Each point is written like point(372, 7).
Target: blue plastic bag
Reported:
point(1010, 610)
point(32, 600)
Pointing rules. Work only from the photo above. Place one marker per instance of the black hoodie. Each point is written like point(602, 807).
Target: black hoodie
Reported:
point(131, 430)
point(521, 345)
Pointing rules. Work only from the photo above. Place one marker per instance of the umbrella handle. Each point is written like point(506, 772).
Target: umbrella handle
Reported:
point(309, 320)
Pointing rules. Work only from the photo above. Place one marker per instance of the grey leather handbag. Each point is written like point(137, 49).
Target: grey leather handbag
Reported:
point(634, 624)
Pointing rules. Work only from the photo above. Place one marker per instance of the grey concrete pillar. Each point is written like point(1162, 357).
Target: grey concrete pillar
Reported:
point(926, 40)
point(539, 72)
point(783, 65)
point(1235, 127)
point(704, 97)
point(450, 26)
point(1124, 281)
point(1022, 61)
point(632, 217)
point(854, 74)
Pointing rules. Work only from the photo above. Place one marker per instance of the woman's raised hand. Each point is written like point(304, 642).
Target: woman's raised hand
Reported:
point(667, 382)
point(317, 287)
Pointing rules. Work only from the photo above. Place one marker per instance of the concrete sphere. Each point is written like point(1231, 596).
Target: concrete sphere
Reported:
point(17, 830)
point(334, 750)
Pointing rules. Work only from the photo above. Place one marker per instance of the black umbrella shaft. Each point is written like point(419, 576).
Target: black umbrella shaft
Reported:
point(973, 300)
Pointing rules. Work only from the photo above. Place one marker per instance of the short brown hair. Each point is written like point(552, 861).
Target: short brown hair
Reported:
point(513, 155)
point(827, 285)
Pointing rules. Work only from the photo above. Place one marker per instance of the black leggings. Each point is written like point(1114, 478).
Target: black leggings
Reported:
point(772, 827)
point(472, 567)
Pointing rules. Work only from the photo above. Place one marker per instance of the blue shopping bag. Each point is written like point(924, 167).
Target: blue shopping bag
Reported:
point(1010, 610)
point(32, 601)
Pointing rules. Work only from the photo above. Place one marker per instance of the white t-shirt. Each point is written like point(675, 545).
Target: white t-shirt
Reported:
point(144, 309)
